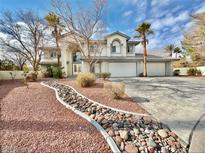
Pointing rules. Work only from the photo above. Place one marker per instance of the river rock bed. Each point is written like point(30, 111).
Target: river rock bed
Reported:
point(131, 133)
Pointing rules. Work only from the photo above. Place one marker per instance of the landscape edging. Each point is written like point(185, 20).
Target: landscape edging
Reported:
point(112, 108)
point(108, 139)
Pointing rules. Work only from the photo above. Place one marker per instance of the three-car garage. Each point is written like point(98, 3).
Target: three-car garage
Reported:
point(126, 69)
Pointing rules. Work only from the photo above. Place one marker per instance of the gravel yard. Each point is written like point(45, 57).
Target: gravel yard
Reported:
point(32, 120)
point(104, 96)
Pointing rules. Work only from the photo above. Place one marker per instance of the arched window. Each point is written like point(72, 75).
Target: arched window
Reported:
point(77, 56)
point(115, 46)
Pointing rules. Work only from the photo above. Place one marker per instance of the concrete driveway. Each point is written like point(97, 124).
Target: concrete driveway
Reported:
point(178, 102)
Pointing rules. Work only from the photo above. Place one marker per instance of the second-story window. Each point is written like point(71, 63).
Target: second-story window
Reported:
point(130, 49)
point(115, 47)
point(77, 56)
point(93, 48)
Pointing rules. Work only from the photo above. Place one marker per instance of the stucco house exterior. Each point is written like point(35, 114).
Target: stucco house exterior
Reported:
point(118, 57)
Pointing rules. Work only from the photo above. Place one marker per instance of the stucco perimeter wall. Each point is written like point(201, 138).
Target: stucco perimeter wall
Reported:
point(5, 75)
point(183, 70)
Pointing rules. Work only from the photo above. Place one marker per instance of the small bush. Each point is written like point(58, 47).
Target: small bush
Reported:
point(118, 90)
point(192, 71)
point(25, 69)
point(7, 65)
point(176, 72)
point(103, 75)
point(32, 76)
point(198, 72)
point(57, 72)
point(85, 79)
point(48, 73)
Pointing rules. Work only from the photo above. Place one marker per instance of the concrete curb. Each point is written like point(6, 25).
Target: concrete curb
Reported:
point(115, 109)
point(109, 139)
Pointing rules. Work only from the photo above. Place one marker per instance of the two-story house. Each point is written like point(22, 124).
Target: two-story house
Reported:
point(118, 56)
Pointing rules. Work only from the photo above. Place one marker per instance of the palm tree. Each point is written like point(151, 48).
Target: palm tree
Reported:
point(177, 51)
point(169, 49)
point(54, 22)
point(144, 29)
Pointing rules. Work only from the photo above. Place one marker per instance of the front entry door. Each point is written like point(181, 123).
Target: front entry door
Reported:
point(76, 69)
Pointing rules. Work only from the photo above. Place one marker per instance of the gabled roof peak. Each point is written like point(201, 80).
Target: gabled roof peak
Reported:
point(119, 33)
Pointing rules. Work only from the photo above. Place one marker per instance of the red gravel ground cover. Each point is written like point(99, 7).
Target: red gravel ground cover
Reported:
point(32, 120)
point(104, 96)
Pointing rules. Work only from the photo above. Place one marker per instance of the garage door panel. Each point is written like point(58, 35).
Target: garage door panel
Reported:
point(156, 69)
point(122, 69)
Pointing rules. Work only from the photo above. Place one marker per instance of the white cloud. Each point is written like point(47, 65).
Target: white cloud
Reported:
point(157, 8)
point(162, 3)
point(200, 10)
point(127, 13)
point(188, 26)
point(183, 16)
point(169, 20)
point(140, 19)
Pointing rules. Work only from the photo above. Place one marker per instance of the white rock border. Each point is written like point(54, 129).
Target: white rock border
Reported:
point(112, 108)
point(109, 139)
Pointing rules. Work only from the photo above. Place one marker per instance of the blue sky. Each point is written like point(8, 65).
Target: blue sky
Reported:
point(170, 19)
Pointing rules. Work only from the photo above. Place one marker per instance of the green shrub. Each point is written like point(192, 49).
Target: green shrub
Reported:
point(118, 90)
point(85, 79)
point(57, 72)
point(48, 72)
point(192, 71)
point(25, 69)
point(103, 75)
point(53, 71)
point(7, 65)
point(198, 72)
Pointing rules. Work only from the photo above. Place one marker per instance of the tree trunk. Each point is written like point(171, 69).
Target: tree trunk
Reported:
point(35, 66)
point(145, 57)
point(91, 70)
point(21, 66)
point(57, 44)
point(58, 56)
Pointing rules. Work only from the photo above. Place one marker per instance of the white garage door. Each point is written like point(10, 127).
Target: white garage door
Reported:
point(156, 69)
point(122, 69)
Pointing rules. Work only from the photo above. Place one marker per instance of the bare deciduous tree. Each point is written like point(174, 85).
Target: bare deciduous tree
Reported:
point(16, 58)
point(82, 26)
point(194, 41)
point(24, 34)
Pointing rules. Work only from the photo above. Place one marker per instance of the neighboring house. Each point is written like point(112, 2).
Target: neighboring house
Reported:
point(118, 56)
